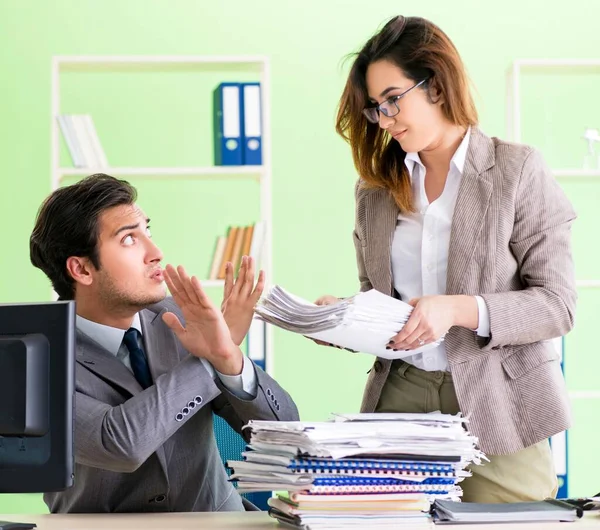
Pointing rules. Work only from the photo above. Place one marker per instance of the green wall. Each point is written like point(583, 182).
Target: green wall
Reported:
point(149, 119)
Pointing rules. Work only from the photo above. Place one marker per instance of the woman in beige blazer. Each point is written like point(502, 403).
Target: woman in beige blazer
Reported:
point(473, 232)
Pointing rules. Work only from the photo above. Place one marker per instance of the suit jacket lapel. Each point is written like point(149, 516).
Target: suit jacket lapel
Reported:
point(162, 354)
point(470, 210)
point(159, 342)
point(105, 365)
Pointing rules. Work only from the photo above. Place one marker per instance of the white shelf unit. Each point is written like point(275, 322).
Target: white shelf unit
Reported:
point(513, 131)
point(513, 102)
point(513, 128)
point(222, 172)
point(259, 65)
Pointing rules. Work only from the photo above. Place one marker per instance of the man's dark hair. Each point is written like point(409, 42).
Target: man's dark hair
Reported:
point(67, 224)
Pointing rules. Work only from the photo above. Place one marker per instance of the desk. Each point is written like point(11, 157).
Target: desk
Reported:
point(236, 521)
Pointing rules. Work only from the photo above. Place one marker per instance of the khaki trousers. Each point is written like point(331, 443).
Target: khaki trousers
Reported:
point(524, 476)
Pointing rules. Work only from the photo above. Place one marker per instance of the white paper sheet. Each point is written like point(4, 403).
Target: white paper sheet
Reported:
point(363, 323)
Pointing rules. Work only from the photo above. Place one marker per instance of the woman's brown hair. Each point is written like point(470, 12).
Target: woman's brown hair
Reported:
point(422, 51)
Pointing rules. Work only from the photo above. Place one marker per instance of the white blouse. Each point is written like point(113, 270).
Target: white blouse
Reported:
point(420, 248)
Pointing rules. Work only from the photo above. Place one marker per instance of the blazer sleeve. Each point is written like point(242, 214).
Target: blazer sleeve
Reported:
point(121, 438)
point(272, 403)
point(541, 244)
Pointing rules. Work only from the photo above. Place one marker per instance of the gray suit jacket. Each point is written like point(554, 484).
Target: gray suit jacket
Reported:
point(154, 450)
point(510, 243)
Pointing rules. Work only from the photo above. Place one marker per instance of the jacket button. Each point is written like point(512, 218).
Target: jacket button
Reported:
point(160, 498)
point(179, 417)
point(198, 400)
point(377, 366)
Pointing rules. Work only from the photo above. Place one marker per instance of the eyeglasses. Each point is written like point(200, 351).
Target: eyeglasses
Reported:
point(389, 107)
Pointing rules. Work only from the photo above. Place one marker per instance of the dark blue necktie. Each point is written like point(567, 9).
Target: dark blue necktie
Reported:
point(137, 358)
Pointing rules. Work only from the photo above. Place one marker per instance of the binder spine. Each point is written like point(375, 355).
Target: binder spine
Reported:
point(227, 110)
point(252, 126)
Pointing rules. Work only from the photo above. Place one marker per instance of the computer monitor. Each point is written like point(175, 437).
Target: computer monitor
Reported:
point(37, 386)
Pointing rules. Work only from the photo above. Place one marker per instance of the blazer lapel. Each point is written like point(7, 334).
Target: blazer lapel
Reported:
point(380, 232)
point(162, 355)
point(159, 342)
point(470, 210)
point(105, 365)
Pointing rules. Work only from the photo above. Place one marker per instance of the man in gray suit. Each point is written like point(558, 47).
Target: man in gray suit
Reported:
point(150, 371)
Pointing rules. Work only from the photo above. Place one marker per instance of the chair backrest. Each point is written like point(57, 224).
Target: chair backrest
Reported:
point(231, 444)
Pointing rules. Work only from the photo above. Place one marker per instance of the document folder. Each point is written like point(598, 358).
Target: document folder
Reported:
point(227, 125)
point(252, 126)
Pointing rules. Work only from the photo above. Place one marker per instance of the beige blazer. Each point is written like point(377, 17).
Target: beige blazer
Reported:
point(510, 243)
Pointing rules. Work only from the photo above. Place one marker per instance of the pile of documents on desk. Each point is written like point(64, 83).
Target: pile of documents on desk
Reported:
point(360, 470)
point(365, 322)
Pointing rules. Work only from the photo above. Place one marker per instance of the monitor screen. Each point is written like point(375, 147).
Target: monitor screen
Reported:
point(37, 386)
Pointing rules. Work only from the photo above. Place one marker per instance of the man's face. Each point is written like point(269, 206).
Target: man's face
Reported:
point(130, 275)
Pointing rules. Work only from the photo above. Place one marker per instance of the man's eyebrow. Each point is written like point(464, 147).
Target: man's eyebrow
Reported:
point(129, 227)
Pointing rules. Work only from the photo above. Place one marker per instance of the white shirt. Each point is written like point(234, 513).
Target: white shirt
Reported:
point(111, 339)
point(420, 248)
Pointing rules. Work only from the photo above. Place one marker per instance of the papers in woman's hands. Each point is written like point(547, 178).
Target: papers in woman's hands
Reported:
point(365, 322)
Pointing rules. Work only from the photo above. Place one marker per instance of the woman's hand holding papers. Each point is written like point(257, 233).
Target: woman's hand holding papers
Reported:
point(328, 300)
point(432, 317)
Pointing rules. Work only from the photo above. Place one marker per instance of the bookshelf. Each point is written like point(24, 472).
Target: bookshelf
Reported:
point(257, 65)
point(229, 172)
point(513, 116)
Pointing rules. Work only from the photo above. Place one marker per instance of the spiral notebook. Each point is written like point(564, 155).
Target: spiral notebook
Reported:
point(352, 480)
point(318, 464)
point(343, 489)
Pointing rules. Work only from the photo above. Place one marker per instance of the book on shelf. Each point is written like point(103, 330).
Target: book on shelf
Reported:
point(217, 257)
point(228, 251)
point(82, 140)
point(236, 254)
point(239, 241)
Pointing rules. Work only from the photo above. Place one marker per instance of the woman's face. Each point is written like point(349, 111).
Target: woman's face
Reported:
point(420, 124)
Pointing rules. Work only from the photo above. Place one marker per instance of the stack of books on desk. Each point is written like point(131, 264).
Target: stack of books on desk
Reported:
point(386, 468)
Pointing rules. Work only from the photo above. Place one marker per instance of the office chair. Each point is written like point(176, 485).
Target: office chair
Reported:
point(231, 445)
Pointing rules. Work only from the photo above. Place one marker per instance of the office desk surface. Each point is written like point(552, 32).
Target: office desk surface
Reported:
point(236, 521)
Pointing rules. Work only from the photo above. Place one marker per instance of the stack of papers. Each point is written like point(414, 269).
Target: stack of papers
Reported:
point(384, 467)
point(515, 512)
point(365, 322)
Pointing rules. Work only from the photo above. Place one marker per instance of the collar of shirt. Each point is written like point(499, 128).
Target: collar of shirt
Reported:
point(108, 337)
point(458, 159)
